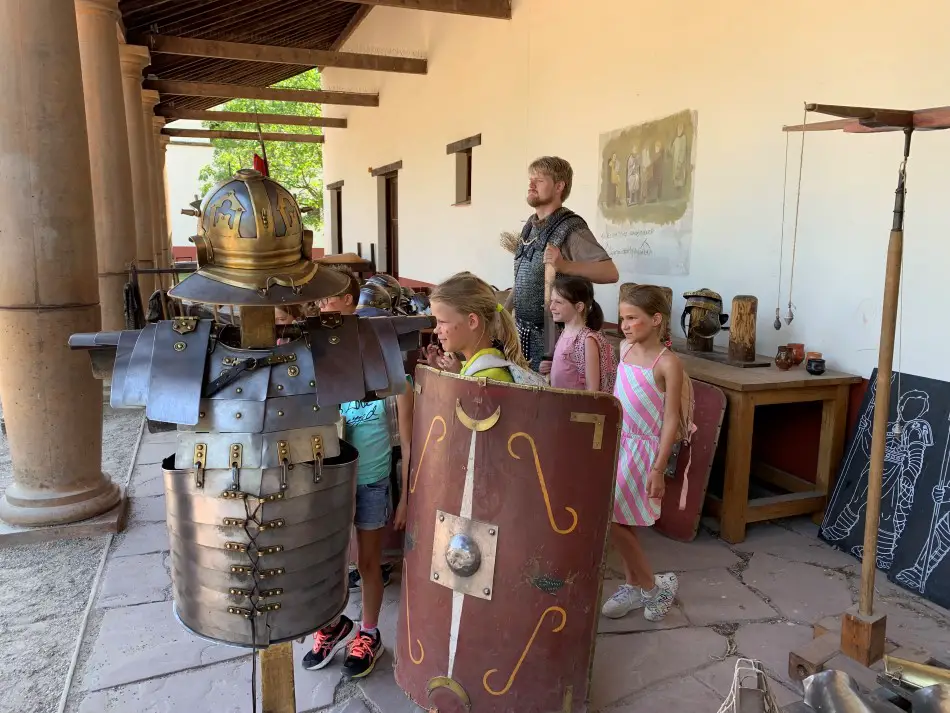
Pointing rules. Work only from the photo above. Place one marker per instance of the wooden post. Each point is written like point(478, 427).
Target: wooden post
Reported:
point(863, 631)
point(742, 331)
point(277, 679)
point(694, 342)
point(258, 328)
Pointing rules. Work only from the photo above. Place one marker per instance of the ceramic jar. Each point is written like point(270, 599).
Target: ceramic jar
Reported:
point(798, 353)
point(783, 358)
point(815, 367)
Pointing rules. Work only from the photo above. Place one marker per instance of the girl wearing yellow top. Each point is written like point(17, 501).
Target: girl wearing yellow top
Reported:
point(470, 322)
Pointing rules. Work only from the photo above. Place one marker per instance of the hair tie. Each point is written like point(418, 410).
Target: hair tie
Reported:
point(499, 308)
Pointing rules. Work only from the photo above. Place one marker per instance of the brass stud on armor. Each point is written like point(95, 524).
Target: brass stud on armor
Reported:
point(486, 591)
point(435, 575)
point(180, 346)
point(293, 371)
point(334, 340)
point(280, 387)
point(201, 414)
point(239, 390)
point(441, 518)
point(237, 415)
point(492, 532)
point(313, 383)
point(280, 413)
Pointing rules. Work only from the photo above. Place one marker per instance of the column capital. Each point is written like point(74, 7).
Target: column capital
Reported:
point(158, 122)
point(134, 58)
point(105, 7)
point(150, 98)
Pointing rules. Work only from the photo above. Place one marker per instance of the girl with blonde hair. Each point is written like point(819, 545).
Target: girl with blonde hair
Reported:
point(470, 322)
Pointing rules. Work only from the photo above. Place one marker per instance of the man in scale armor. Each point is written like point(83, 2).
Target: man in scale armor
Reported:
point(260, 488)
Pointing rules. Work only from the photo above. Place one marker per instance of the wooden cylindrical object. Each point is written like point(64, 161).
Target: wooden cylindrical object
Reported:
point(882, 403)
point(695, 342)
point(742, 331)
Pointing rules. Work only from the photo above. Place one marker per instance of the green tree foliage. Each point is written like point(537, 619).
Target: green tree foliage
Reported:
point(298, 167)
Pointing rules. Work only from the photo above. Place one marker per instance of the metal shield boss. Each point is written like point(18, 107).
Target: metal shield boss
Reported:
point(510, 498)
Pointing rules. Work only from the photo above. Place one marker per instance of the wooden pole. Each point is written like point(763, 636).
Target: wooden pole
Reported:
point(863, 631)
point(742, 331)
point(277, 679)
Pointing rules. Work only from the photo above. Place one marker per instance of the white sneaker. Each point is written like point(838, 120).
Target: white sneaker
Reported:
point(624, 601)
point(659, 606)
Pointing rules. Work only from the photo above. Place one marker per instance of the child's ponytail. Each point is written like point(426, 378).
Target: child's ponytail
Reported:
point(595, 316)
point(505, 332)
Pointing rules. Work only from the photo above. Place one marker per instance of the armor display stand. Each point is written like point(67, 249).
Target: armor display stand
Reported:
point(863, 631)
point(260, 490)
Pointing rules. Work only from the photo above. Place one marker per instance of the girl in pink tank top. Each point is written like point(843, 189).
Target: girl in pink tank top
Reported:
point(649, 385)
point(583, 358)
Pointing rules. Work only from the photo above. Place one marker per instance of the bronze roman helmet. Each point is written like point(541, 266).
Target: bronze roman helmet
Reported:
point(253, 248)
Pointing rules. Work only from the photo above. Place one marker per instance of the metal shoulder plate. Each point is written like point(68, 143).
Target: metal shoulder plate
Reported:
point(177, 370)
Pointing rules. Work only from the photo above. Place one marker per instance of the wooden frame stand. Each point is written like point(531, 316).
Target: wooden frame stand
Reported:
point(862, 636)
point(277, 679)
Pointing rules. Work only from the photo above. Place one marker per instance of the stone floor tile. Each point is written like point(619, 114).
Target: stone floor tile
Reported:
point(137, 579)
point(769, 539)
point(153, 453)
point(635, 621)
point(141, 539)
point(909, 627)
point(150, 509)
point(771, 644)
point(147, 481)
point(224, 688)
point(802, 525)
point(802, 592)
point(314, 689)
point(680, 695)
point(714, 595)
point(142, 642)
point(720, 675)
point(624, 665)
point(354, 705)
point(666, 555)
point(381, 690)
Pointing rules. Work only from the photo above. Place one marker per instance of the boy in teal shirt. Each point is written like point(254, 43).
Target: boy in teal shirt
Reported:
point(368, 430)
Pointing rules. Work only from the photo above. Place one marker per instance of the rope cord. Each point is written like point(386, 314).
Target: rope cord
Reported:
point(798, 201)
point(781, 249)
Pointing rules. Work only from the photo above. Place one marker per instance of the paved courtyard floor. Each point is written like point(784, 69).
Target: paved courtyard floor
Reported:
point(758, 600)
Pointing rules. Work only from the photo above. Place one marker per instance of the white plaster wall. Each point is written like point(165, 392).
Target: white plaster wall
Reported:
point(183, 160)
point(562, 71)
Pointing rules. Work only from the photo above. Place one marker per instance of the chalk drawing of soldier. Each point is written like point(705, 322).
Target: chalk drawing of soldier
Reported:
point(907, 440)
point(936, 546)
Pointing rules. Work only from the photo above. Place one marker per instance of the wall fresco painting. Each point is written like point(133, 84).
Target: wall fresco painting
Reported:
point(645, 202)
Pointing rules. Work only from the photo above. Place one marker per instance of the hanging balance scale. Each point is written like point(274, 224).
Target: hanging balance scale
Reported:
point(863, 629)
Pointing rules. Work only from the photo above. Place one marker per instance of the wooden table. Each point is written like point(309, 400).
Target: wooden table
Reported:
point(747, 388)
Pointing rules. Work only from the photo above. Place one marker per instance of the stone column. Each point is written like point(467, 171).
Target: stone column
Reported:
point(109, 153)
point(149, 99)
point(161, 207)
point(48, 285)
point(169, 209)
point(134, 59)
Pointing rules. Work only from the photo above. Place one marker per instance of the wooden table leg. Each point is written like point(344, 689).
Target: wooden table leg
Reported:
point(735, 491)
point(834, 420)
point(277, 679)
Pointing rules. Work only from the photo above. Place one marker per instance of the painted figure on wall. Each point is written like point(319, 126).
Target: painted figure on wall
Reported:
point(633, 176)
point(616, 181)
point(646, 173)
point(656, 180)
point(680, 156)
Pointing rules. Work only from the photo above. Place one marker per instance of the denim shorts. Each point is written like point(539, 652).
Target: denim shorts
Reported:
point(373, 507)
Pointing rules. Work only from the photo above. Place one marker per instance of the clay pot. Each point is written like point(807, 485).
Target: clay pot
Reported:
point(798, 353)
point(812, 355)
point(783, 358)
point(815, 367)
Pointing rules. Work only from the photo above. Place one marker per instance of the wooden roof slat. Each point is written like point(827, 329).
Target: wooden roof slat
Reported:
point(251, 117)
point(500, 9)
point(282, 55)
point(232, 91)
point(243, 135)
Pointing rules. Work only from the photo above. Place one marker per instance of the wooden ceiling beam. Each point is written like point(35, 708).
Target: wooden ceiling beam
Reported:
point(243, 135)
point(238, 91)
point(499, 9)
point(163, 44)
point(242, 117)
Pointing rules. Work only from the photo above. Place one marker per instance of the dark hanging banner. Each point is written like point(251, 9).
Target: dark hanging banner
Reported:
point(914, 533)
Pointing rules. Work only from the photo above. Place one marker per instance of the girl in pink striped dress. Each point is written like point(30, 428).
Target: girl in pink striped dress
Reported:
point(649, 382)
